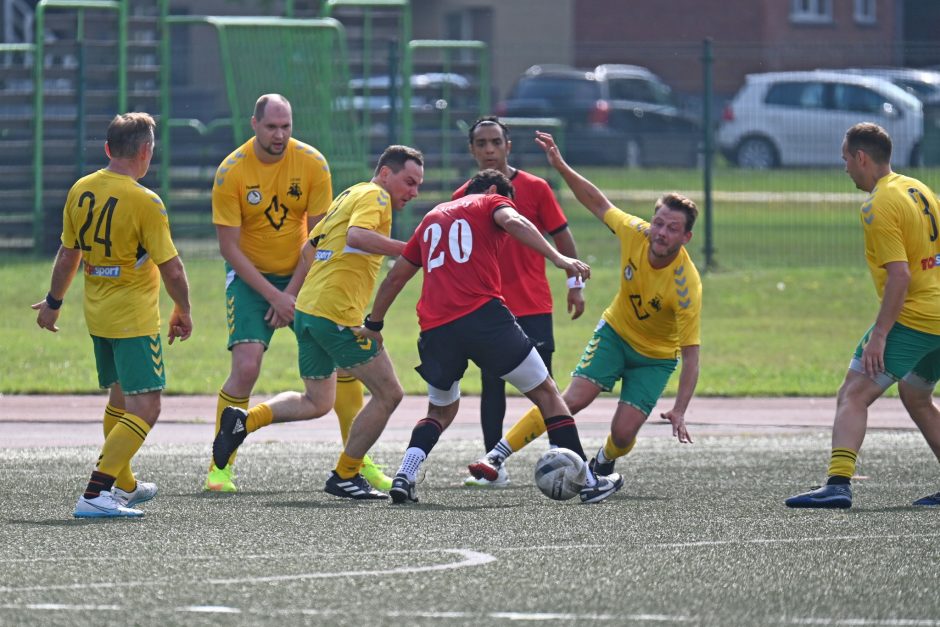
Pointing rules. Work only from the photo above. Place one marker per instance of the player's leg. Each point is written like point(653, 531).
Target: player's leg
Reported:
point(916, 391)
point(442, 408)
point(113, 412)
point(349, 402)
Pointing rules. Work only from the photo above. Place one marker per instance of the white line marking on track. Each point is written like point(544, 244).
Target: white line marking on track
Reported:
point(210, 609)
point(63, 607)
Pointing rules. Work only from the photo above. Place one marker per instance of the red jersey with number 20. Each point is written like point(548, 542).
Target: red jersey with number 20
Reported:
point(457, 244)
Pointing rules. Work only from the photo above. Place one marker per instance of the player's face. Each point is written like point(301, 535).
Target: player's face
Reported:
point(403, 185)
point(272, 131)
point(667, 233)
point(853, 168)
point(490, 148)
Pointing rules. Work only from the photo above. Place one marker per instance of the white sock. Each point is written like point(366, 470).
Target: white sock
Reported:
point(411, 462)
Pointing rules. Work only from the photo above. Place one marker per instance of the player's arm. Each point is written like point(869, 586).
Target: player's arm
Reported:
point(281, 302)
point(584, 190)
point(688, 379)
point(177, 286)
point(896, 284)
point(391, 287)
point(373, 242)
point(520, 228)
point(63, 271)
point(564, 242)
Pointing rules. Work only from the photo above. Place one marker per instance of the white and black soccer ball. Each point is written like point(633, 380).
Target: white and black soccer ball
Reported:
point(560, 474)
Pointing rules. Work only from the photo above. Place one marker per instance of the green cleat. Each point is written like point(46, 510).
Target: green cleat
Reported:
point(220, 480)
point(372, 473)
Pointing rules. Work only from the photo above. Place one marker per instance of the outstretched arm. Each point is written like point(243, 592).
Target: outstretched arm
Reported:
point(519, 227)
point(688, 379)
point(564, 242)
point(584, 190)
point(395, 280)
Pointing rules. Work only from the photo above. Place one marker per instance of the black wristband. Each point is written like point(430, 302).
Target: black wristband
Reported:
point(53, 303)
point(372, 325)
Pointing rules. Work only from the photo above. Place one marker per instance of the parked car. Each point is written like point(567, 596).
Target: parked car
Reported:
point(925, 84)
point(613, 114)
point(800, 118)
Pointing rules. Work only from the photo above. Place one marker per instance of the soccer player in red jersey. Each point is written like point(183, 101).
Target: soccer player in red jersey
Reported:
point(525, 288)
point(463, 317)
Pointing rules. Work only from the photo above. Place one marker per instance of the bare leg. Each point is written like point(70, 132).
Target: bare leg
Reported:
point(919, 404)
point(856, 395)
point(386, 393)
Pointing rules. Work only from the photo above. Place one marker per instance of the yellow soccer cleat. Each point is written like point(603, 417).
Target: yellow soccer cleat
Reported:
point(374, 475)
point(220, 480)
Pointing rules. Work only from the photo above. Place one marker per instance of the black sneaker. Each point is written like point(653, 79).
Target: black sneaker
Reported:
point(232, 432)
point(607, 468)
point(601, 490)
point(403, 490)
point(932, 500)
point(356, 488)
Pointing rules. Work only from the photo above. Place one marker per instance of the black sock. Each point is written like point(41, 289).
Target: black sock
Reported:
point(837, 480)
point(492, 409)
point(425, 434)
point(564, 433)
point(98, 483)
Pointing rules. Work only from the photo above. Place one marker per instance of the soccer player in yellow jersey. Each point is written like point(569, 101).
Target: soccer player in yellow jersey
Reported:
point(266, 197)
point(900, 221)
point(119, 229)
point(339, 268)
point(652, 321)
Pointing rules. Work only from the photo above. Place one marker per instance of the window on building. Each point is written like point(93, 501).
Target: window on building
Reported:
point(811, 11)
point(865, 11)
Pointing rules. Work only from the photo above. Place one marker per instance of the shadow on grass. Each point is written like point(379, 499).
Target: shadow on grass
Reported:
point(71, 522)
point(411, 507)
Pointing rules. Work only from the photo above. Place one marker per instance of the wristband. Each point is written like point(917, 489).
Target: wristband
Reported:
point(373, 325)
point(52, 302)
point(575, 282)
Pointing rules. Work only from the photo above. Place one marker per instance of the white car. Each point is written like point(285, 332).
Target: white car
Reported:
point(799, 118)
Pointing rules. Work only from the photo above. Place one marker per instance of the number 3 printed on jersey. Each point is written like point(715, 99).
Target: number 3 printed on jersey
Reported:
point(459, 243)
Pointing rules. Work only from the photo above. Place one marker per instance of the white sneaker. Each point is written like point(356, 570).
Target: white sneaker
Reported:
point(141, 494)
point(103, 506)
point(501, 481)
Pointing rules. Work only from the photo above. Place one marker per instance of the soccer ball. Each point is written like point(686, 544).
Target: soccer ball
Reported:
point(560, 474)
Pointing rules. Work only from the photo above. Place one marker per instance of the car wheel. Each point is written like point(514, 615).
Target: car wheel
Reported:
point(756, 153)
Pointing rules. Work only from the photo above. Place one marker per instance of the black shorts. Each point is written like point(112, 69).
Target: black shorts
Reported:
point(489, 336)
point(539, 329)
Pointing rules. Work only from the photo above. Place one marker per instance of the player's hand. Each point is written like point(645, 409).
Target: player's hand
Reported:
point(873, 355)
point(181, 326)
point(274, 320)
point(547, 143)
point(576, 266)
point(282, 304)
point(679, 429)
point(369, 334)
point(47, 316)
point(575, 302)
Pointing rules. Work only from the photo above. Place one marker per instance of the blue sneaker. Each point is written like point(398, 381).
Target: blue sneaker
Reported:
point(933, 499)
point(837, 496)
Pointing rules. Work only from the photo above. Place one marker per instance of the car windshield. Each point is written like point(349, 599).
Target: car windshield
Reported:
point(558, 89)
point(639, 90)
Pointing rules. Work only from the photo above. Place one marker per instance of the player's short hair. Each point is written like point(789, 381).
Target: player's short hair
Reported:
point(262, 103)
point(677, 202)
point(395, 158)
point(483, 179)
point(871, 139)
point(128, 132)
point(489, 120)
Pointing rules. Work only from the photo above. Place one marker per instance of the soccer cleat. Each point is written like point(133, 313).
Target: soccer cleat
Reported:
point(487, 467)
point(403, 490)
point(355, 488)
point(502, 480)
point(142, 493)
point(220, 479)
point(103, 506)
point(372, 473)
point(829, 496)
point(601, 490)
point(607, 468)
point(933, 499)
point(232, 432)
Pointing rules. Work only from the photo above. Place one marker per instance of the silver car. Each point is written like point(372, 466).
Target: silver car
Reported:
point(799, 118)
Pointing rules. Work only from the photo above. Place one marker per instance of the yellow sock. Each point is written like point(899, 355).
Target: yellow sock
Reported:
point(227, 400)
point(612, 451)
point(347, 467)
point(529, 427)
point(259, 416)
point(122, 444)
point(349, 400)
point(842, 462)
point(125, 479)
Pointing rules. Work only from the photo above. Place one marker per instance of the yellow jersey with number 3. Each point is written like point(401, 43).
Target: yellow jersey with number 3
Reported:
point(121, 227)
point(900, 220)
point(656, 310)
point(339, 284)
point(270, 202)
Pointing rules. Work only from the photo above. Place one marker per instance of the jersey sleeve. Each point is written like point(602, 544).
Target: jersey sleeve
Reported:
point(226, 205)
point(622, 223)
point(69, 236)
point(412, 250)
point(689, 312)
point(321, 192)
point(155, 230)
point(550, 214)
point(370, 209)
point(884, 233)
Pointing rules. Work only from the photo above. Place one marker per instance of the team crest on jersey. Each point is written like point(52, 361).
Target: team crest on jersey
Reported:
point(656, 303)
point(254, 197)
point(629, 270)
point(295, 189)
